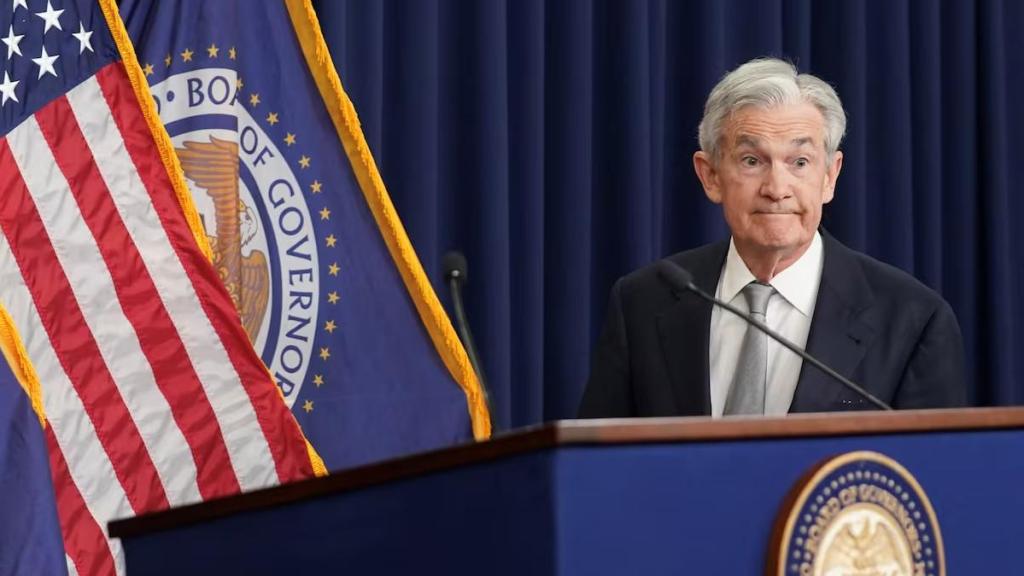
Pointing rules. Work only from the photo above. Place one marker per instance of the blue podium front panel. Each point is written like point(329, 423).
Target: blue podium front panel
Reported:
point(709, 508)
point(672, 508)
point(485, 519)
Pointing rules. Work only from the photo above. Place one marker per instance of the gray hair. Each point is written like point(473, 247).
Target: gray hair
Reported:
point(766, 83)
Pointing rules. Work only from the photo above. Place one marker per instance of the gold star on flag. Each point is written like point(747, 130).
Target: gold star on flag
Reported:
point(239, 83)
point(333, 269)
point(289, 139)
point(325, 214)
point(272, 118)
point(168, 60)
point(232, 53)
point(212, 50)
point(332, 297)
point(318, 380)
point(254, 99)
point(186, 56)
point(325, 353)
point(329, 326)
point(315, 186)
point(304, 161)
point(331, 240)
point(148, 69)
point(307, 406)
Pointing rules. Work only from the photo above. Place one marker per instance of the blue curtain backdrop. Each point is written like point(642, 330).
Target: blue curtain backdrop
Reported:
point(552, 143)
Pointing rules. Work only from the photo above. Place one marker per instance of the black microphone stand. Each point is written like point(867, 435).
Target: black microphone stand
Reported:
point(455, 274)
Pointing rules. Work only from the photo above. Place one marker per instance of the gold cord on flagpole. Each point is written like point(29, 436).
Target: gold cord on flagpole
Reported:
point(137, 78)
point(18, 360)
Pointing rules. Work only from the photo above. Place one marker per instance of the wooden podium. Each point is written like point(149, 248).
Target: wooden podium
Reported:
point(658, 496)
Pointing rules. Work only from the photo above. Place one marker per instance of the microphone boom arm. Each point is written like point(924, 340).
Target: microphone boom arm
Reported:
point(682, 279)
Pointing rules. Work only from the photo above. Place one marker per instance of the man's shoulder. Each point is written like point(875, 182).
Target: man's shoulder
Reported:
point(643, 295)
point(704, 262)
point(854, 270)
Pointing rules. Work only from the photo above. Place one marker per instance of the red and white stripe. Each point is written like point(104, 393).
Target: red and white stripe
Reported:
point(153, 394)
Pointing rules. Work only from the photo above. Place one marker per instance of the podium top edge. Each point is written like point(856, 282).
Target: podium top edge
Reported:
point(703, 429)
point(582, 433)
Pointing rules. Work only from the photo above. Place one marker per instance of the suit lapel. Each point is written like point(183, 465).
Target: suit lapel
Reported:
point(838, 337)
point(684, 331)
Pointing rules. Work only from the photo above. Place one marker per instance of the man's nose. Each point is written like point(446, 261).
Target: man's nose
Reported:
point(776, 183)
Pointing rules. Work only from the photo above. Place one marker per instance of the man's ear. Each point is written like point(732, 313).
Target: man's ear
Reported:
point(832, 175)
point(708, 175)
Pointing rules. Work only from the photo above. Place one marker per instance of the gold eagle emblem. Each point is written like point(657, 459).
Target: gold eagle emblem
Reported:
point(865, 550)
point(213, 167)
point(858, 514)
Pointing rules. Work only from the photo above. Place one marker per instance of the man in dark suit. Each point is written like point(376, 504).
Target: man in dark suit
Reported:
point(769, 156)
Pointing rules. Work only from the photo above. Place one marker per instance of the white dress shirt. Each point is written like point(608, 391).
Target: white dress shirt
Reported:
point(789, 313)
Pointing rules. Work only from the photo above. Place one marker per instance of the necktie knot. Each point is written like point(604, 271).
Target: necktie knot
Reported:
point(757, 296)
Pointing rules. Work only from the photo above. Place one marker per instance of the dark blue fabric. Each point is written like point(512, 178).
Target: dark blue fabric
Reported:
point(30, 539)
point(552, 142)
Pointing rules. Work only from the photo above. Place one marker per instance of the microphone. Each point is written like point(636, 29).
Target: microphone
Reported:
point(454, 264)
point(681, 280)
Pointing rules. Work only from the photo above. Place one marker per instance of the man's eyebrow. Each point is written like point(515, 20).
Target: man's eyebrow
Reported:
point(754, 142)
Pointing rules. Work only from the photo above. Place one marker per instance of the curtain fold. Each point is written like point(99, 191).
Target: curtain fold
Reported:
point(552, 143)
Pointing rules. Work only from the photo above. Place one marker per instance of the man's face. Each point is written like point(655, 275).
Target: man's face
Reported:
point(771, 178)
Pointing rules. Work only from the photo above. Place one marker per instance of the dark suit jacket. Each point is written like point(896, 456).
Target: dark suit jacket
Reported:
point(872, 323)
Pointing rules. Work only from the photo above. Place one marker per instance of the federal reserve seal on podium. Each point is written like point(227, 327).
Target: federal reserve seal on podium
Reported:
point(858, 514)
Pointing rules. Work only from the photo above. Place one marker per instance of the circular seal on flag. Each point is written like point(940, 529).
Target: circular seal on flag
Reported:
point(858, 514)
point(253, 212)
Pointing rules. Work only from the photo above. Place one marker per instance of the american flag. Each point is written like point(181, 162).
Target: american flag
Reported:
point(152, 394)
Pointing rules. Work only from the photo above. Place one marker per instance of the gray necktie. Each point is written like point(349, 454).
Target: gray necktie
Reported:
point(746, 395)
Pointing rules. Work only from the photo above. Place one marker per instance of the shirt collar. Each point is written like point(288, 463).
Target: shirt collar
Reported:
point(798, 283)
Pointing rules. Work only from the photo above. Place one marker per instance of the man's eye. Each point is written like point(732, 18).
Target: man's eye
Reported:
point(801, 162)
point(749, 161)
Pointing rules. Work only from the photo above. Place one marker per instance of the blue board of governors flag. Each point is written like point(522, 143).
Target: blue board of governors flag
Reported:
point(351, 329)
point(30, 540)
